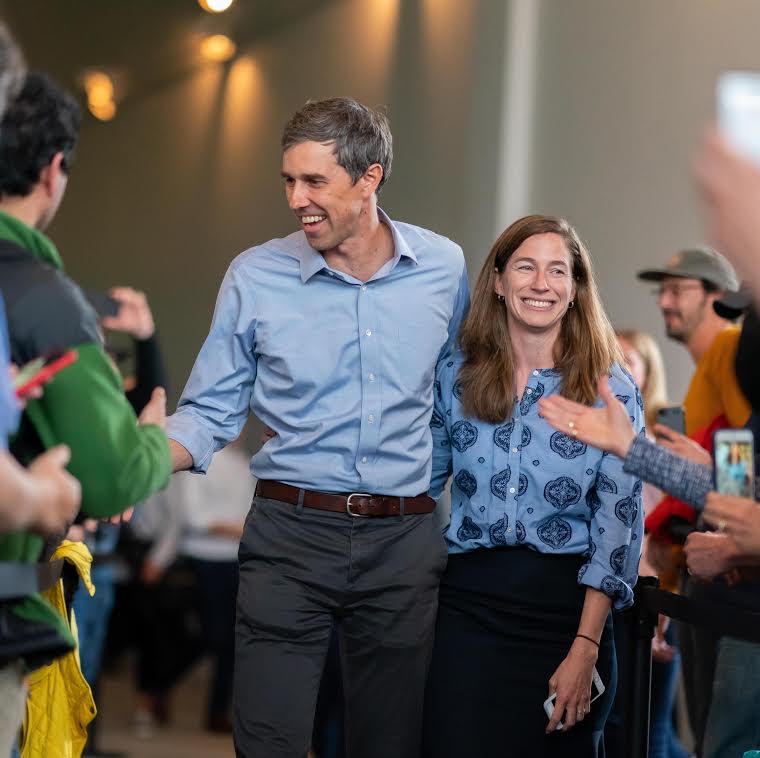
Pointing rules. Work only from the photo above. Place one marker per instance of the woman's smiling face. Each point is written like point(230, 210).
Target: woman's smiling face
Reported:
point(537, 283)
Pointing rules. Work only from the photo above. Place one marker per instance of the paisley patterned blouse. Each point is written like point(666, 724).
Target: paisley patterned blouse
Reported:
point(524, 483)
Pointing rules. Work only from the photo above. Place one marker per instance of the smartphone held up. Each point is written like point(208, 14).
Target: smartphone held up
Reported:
point(734, 462)
point(738, 112)
point(39, 371)
point(673, 417)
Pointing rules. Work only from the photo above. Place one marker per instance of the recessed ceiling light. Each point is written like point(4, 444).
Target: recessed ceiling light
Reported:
point(215, 6)
point(99, 87)
point(103, 112)
point(218, 48)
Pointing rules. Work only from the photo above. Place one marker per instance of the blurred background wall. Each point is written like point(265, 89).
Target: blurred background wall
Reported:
point(586, 108)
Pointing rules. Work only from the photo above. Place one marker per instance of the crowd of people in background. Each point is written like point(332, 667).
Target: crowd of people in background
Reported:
point(319, 574)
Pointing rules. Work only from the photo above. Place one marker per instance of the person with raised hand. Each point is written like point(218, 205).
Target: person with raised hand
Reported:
point(609, 428)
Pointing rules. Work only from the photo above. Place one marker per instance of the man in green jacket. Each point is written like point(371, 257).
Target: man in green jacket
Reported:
point(117, 460)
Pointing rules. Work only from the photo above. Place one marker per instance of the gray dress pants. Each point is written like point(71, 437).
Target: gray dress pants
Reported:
point(301, 571)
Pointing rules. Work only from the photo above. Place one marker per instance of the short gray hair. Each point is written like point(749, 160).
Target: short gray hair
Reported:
point(361, 136)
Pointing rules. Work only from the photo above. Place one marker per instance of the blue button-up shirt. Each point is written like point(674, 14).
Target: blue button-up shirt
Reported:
point(341, 370)
point(524, 483)
point(9, 408)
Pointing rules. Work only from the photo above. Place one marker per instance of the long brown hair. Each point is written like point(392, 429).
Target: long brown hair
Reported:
point(586, 348)
point(654, 392)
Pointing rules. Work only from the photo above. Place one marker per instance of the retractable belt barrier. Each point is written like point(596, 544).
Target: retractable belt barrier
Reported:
point(641, 621)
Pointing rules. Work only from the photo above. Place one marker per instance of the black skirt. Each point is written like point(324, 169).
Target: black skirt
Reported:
point(506, 620)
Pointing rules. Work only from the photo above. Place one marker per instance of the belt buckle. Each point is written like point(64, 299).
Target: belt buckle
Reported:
point(348, 504)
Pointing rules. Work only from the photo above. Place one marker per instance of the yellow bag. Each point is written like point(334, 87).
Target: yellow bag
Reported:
point(60, 703)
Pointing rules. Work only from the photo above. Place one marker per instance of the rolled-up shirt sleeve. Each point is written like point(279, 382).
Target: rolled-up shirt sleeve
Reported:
point(215, 402)
point(617, 523)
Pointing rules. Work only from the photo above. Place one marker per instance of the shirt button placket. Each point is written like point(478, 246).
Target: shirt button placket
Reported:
point(514, 464)
point(369, 347)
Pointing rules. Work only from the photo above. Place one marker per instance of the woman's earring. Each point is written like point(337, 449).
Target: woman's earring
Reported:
point(571, 304)
point(500, 298)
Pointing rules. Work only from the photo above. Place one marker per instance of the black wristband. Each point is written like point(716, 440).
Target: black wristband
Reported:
point(590, 639)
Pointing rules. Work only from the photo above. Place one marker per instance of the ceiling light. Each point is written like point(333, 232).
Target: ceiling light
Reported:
point(215, 6)
point(99, 87)
point(104, 112)
point(100, 94)
point(218, 48)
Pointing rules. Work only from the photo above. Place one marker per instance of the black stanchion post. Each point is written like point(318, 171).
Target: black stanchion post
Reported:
point(644, 624)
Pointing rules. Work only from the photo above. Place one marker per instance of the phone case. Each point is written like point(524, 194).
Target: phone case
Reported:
point(733, 462)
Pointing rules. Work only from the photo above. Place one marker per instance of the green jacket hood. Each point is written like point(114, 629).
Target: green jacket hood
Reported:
point(34, 241)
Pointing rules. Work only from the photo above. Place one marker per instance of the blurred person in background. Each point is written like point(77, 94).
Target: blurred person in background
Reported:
point(192, 531)
point(214, 508)
point(47, 311)
point(714, 559)
point(688, 286)
point(545, 532)
point(730, 187)
point(12, 68)
point(42, 500)
point(155, 610)
point(644, 360)
point(124, 310)
point(116, 460)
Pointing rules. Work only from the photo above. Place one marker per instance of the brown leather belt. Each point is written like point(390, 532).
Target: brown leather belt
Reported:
point(356, 504)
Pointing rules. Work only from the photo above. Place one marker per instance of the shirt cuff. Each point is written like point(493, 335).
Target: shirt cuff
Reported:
point(636, 458)
point(615, 587)
point(183, 428)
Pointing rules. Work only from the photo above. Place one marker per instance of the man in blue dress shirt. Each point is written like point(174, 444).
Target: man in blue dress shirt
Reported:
point(331, 337)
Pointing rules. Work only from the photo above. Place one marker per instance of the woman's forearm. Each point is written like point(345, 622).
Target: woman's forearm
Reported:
point(596, 608)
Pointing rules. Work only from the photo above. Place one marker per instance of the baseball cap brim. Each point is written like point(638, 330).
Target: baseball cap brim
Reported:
point(733, 304)
point(657, 274)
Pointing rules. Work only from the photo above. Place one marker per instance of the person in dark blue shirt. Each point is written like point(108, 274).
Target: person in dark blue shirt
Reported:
point(545, 531)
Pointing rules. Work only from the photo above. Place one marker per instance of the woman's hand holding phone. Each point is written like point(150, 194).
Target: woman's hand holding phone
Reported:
point(571, 686)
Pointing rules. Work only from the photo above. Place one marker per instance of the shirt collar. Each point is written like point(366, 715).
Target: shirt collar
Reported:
point(311, 262)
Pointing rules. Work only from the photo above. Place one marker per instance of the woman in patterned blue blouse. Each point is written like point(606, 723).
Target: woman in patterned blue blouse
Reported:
point(545, 531)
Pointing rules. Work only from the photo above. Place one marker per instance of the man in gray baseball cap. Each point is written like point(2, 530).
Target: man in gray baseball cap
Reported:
point(689, 283)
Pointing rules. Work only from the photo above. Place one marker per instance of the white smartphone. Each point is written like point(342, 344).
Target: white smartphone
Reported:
point(734, 462)
point(738, 111)
point(597, 690)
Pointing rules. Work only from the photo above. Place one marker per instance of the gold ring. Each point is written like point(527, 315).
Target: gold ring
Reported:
point(722, 525)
